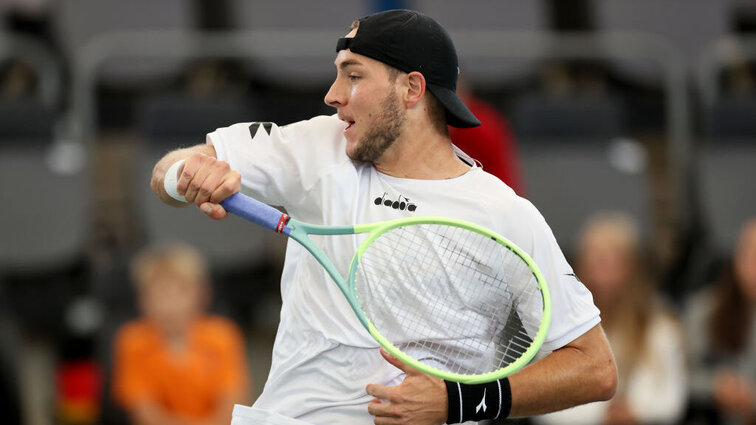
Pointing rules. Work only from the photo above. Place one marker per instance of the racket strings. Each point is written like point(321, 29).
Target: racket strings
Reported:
point(449, 297)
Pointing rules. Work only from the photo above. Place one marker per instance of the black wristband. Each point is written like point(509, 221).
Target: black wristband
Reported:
point(477, 402)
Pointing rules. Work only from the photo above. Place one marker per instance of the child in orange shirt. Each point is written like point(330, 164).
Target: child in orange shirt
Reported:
point(177, 364)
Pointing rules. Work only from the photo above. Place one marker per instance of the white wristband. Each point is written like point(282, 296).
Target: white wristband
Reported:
point(170, 181)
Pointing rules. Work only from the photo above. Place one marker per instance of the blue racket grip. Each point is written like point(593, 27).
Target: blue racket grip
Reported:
point(257, 212)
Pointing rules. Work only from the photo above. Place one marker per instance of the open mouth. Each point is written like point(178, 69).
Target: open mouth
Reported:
point(349, 122)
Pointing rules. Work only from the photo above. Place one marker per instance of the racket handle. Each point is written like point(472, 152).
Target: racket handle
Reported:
point(257, 212)
point(238, 204)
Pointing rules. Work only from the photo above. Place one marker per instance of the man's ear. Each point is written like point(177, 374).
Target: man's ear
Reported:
point(415, 88)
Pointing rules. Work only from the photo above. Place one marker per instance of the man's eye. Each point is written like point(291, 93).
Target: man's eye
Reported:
point(354, 77)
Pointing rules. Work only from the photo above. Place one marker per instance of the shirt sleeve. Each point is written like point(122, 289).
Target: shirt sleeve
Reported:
point(573, 312)
point(279, 165)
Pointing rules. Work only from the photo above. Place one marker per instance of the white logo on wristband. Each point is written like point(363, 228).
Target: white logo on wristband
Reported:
point(482, 404)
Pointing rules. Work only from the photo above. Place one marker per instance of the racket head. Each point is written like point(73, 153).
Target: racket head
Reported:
point(450, 298)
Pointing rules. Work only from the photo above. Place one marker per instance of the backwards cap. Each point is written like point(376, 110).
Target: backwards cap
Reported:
point(411, 41)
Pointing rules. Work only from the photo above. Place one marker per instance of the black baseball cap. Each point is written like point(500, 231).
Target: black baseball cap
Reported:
point(411, 41)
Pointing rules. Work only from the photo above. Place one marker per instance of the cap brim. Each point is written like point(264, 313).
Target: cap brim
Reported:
point(457, 113)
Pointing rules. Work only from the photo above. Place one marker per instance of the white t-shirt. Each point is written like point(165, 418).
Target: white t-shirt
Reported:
point(322, 357)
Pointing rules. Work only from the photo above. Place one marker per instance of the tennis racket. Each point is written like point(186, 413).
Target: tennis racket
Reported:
point(447, 297)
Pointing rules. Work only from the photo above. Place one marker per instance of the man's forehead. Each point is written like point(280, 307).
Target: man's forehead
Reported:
point(348, 58)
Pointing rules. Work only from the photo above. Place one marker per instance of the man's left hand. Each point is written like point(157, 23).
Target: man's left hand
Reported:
point(420, 399)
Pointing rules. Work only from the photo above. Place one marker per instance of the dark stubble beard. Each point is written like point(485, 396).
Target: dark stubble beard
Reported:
point(385, 130)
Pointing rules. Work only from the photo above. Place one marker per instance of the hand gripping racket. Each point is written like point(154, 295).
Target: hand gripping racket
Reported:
point(447, 297)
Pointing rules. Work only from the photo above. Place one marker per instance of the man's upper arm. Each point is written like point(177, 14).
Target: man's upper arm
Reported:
point(594, 347)
point(593, 342)
point(281, 165)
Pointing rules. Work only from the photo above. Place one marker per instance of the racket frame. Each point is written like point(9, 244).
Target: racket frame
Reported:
point(299, 231)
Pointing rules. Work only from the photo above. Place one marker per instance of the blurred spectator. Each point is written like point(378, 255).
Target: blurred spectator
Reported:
point(33, 19)
point(721, 335)
point(177, 364)
point(740, 78)
point(646, 338)
point(492, 143)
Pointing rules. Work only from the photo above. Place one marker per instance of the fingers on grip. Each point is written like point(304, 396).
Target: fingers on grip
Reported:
point(201, 178)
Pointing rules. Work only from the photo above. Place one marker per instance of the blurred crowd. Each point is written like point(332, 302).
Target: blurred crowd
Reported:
point(111, 312)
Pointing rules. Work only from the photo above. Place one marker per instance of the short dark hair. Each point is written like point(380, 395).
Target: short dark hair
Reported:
point(437, 113)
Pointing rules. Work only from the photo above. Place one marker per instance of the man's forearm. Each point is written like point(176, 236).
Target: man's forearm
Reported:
point(579, 373)
point(158, 172)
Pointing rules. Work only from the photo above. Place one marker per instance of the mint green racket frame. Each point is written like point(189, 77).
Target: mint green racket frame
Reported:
point(299, 231)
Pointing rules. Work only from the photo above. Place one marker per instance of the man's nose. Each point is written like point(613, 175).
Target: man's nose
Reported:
point(334, 97)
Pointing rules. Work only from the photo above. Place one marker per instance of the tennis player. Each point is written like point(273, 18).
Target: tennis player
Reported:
point(386, 154)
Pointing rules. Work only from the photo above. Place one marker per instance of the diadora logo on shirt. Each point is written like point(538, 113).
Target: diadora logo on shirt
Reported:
point(256, 125)
point(401, 203)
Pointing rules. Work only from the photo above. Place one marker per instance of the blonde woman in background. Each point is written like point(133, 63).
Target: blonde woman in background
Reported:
point(721, 335)
point(645, 337)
